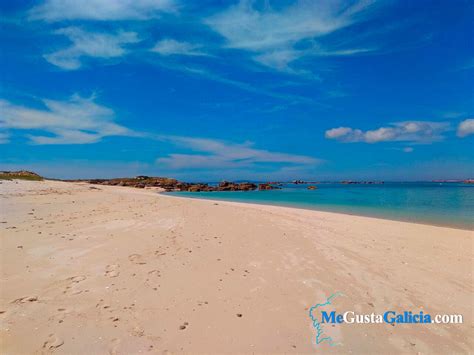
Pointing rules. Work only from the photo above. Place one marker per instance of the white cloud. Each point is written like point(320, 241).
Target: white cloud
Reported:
point(90, 44)
point(75, 121)
point(409, 131)
point(278, 59)
point(466, 128)
point(222, 154)
point(336, 133)
point(273, 36)
point(172, 47)
point(59, 10)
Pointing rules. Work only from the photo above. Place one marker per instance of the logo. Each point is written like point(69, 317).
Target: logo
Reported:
point(323, 315)
point(316, 313)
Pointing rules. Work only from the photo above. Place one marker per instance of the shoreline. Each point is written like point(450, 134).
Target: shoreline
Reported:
point(453, 226)
point(119, 270)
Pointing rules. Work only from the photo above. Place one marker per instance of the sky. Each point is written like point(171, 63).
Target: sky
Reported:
point(238, 90)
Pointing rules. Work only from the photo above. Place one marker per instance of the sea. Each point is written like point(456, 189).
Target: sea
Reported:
point(436, 203)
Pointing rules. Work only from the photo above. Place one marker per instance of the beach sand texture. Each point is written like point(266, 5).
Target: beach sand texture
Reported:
point(98, 269)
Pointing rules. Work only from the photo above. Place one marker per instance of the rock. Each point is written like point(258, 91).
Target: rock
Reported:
point(226, 186)
point(267, 186)
point(246, 186)
point(232, 186)
point(169, 184)
point(198, 187)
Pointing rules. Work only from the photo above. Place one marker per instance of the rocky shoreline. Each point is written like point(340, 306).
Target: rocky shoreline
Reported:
point(170, 184)
point(143, 181)
point(175, 185)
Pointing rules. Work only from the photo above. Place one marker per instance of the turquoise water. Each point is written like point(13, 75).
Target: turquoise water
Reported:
point(446, 204)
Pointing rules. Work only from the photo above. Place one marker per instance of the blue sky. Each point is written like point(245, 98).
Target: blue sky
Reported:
point(263, 90)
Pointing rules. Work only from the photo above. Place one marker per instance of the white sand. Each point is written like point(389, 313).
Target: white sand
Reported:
point(121, 270)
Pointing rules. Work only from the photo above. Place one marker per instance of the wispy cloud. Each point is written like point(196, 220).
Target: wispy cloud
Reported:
point(208, 75)
point(172, 47)
point(211, 153)
point(60, 10)
point(90, 44)
point(466, 128)
point(74, 121)
point(279, 37)
point(408, 131)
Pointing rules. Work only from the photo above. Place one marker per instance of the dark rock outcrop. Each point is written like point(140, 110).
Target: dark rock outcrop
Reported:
point(246, 186)
point(197, 188)
point(172, 184)
point(140, 182)
point(268, 186)
point(232, 186)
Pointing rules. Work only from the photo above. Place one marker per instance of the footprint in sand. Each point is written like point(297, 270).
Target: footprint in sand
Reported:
point(53, 342)
point(113, 346)
point(102, 305)
point(76, 279)
point(136, 259)
point(112, 270)
point(60, 316)
point(154, 273)
point(71, 284)
point(159, 253)
point(27, 299)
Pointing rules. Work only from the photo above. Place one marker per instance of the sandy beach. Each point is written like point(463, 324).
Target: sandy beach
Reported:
point(99, 269)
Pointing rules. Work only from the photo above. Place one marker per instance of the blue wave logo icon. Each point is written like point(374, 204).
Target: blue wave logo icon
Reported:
point(313, 314)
